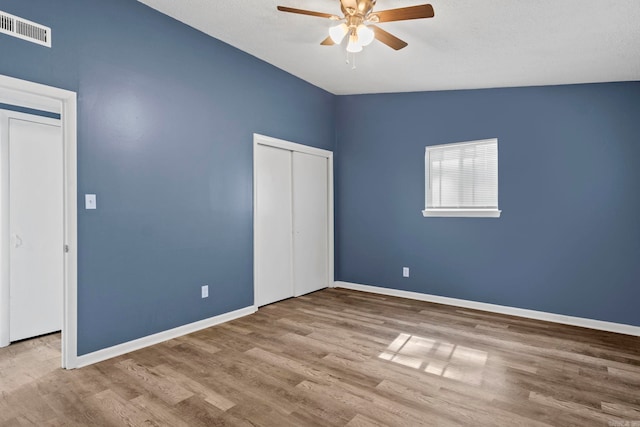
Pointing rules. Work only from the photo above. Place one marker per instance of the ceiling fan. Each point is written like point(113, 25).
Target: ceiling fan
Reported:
point(358, 22)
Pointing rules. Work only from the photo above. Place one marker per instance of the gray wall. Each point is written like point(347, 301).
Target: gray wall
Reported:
point(568, 240)
point(166, 121)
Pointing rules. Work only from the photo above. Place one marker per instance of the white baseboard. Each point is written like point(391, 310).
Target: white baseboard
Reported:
point(494, 308)
point(127, 347)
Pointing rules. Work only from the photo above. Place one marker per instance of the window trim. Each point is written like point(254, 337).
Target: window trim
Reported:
point(456, 212)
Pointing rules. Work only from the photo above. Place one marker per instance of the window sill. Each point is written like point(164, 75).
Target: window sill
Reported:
point(462, 213)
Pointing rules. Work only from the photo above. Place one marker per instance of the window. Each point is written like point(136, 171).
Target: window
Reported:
point(461, 179)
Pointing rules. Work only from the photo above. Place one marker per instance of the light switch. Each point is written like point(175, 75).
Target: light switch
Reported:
point(90, 201)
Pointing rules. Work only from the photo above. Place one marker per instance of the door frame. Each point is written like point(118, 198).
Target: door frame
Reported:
point(268, 141)
point(37, 96)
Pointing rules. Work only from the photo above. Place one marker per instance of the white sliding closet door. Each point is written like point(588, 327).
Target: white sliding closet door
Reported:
point(293, 219)
point(273, 225)
point(310, 223)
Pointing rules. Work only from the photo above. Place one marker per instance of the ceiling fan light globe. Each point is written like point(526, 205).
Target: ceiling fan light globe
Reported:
point(365, 35)
point(338, 32)
point(354, 45)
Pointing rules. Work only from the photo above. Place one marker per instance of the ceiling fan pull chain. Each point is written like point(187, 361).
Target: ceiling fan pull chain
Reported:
point(353, 62)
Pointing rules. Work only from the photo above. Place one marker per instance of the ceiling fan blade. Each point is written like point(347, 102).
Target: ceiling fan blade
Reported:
point(327, 42)
point(405, 13)
point(306, 12)
point(388, 38)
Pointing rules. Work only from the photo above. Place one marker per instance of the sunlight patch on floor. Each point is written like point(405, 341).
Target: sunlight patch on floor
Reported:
point(436, 357)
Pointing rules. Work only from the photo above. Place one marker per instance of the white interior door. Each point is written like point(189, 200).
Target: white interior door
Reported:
point(310, 223)
point(273, 225)
point(35, 228)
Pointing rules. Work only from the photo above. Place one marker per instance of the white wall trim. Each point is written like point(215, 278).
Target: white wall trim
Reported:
point(494, 308)
point(127, 347)
point(462, 213)
point(291, 146)
point(41, 97)
point(30, 100)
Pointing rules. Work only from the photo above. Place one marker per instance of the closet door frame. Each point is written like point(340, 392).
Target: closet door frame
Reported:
point(259, 139)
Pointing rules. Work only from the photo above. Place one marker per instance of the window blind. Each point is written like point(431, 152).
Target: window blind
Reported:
point(463, 175)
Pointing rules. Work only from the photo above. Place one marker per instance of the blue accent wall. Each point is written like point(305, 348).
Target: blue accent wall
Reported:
point(31, 111)
point(166, 117)
point(568, 240)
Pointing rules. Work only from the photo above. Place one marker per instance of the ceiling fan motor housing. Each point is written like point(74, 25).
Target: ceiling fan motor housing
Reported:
point(361, 10)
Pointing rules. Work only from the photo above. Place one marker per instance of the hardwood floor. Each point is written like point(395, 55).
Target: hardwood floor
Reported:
point(340, 358)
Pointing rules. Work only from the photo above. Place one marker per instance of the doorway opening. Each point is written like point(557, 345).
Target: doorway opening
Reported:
point(25, 233)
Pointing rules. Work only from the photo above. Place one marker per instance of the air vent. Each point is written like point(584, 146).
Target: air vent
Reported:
point(25, 29)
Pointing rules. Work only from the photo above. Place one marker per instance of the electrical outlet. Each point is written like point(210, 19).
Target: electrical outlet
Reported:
point(405, 271)
point(205, 291)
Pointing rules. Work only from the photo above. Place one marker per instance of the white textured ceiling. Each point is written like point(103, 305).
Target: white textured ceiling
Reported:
point(469, 43)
